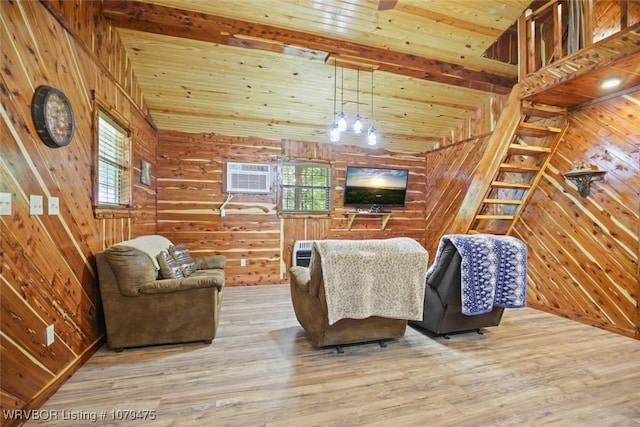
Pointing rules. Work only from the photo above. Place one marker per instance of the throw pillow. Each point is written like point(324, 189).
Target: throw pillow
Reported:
point(169, 266)
point(184, 258)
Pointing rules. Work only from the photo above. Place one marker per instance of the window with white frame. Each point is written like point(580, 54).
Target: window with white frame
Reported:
point(113, 168)
point(305, 187)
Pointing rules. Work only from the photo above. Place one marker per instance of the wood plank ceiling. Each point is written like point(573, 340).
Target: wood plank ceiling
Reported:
point(260, 68)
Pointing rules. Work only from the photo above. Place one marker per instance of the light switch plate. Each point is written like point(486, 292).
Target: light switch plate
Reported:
point(5, 203)
point(51, 334)
point(53, 207)
point(35, 204)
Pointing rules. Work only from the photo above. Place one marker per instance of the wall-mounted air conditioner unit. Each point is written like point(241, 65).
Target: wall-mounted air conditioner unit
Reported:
point(248, 178)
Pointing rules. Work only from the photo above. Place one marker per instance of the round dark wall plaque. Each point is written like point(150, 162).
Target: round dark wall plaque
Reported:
point(52, 116)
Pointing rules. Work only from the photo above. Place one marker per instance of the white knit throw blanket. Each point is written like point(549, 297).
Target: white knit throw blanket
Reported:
point(364, 278)
point(151, 245)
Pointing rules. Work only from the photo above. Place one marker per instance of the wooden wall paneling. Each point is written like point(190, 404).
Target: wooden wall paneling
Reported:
point(609, 17)
point(480, 122)
point(144, 196)
point(48, 272)
point(450, 172)
point(586, 288)
point(567, 234)
point(15, 364)
point(190, 193)
point(579, 240)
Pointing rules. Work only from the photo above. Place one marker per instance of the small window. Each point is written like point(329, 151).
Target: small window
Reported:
point(113, 163)
point(305, 187)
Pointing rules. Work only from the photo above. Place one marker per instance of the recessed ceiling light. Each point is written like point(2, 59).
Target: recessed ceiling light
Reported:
point(610, 82)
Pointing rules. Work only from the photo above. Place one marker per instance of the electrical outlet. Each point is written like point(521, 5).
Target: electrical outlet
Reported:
point(51, 335)
point(243, 262)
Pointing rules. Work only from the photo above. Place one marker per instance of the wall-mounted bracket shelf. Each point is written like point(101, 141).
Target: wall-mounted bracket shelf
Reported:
point(351, 216)
point(583, 177)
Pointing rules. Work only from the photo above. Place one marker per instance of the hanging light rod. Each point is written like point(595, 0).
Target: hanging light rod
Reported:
point(334, 131)
point(351, 62)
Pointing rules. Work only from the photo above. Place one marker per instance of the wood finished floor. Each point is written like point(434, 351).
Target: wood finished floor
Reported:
point(535, 369)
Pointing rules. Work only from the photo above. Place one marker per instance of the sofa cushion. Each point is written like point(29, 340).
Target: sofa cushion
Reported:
point(193, 282)
point(184, 258)
point(169, 266)
point(132, 268)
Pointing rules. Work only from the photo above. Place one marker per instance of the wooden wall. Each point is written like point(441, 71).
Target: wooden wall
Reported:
point(451, 168)
point(190, 193)
point(583, 252)
point(450, 173)
point(47, 267)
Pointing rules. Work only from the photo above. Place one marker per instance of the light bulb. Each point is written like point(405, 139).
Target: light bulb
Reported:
point(372, 138)
point(357, 124)
point(342, 122)
point(334, 133)
point(610, 82)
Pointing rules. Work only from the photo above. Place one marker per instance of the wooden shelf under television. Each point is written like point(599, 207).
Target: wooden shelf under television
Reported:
point(384, 216)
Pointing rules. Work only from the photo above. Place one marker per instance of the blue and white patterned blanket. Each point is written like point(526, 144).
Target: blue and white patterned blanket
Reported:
point(494, 271)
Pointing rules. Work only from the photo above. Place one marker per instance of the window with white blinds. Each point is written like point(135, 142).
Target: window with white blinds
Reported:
point(305, 187)
point(113, 169)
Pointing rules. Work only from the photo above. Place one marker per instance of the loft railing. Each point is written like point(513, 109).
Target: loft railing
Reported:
point(559, 28)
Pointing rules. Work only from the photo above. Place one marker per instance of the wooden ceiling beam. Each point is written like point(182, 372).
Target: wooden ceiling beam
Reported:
point(217, 29)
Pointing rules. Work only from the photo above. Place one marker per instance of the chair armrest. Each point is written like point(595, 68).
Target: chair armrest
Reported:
point(165, 286)
point(211, 261)
point(301, 277)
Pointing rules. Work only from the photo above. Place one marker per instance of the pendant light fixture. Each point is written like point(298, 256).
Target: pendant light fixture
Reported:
point(357, 123)
point(334, 132)
point(372, 138)
point(342, 118)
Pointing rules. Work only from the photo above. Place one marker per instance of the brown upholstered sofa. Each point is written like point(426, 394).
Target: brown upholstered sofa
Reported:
point(310, 306)
point(143, 308)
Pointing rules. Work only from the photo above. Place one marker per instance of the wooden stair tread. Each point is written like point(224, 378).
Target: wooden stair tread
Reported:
point(506, 217)
point(518, 167)
point(502, 184)
point(502, 201)
point(532, 129)
point(496, 232)
point(541, 110)
point(528, 150)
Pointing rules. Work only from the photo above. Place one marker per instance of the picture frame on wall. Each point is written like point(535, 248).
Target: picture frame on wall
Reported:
point(145, 172)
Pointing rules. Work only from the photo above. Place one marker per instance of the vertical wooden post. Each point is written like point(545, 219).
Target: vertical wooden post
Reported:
point(557, 32)
point(624, 14)
point(522, 46)
point(587, 6)
point(531, 46)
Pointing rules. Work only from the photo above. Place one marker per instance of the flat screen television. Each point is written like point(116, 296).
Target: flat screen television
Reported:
point(375, 188)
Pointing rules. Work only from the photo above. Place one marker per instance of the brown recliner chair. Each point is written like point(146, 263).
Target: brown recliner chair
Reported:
point(141, 309)
point(443, 302)
point(310, 306)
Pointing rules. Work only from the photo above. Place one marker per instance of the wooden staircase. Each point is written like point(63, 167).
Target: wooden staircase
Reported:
point(530, 147)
